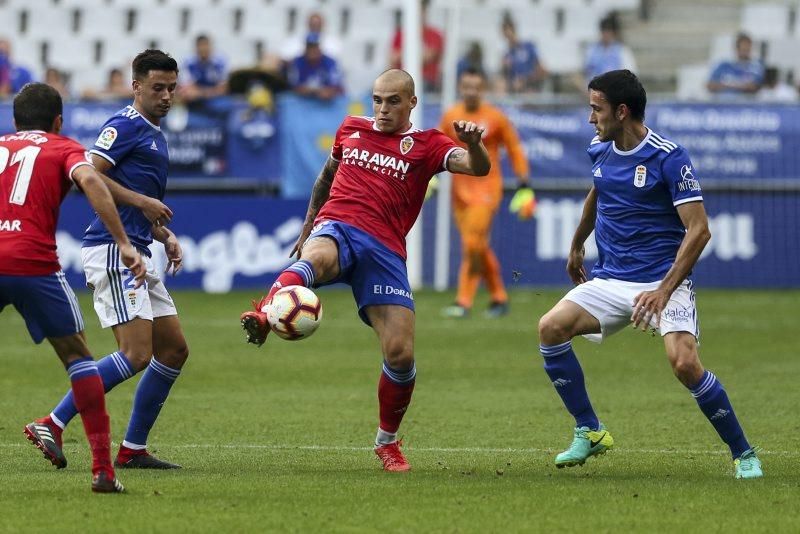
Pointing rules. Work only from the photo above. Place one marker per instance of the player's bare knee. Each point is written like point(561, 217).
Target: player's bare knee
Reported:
point(175, 357)
point(139, 357)
point(687, 369)
point(552, 331)
point(399, 354)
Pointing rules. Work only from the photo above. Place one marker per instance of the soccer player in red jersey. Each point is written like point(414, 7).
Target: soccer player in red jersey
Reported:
point(37, 169)
point(363, 204)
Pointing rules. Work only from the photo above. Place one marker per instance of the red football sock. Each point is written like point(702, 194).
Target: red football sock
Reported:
point(394, 399)
point(286, 278)
point(91, 403)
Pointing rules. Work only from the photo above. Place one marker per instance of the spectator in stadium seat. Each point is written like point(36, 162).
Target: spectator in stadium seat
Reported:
point(314, 74)
point(522, 68)
point(608, 54)
point(471, 61)
point(744, 76)
point(432, 52)
point(206, 74)
point(58, 81)
point(315, 24)
point(117, 88)
point(16, 75)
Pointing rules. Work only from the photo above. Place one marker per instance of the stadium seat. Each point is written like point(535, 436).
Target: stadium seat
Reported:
point(371, 21)
point(783, 53)
point(692, 81)
point(480, 23)
point(561, 55)
point(54, 23)
point(764, 21)
point(69, 54)
point(158, 20)
point(265, 22)
point(216, 21)
point(581, 24)
point(106, 23)
point(534, 23)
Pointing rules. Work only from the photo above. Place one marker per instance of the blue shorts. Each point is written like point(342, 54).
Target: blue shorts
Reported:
point(376, 274)
point(47, 304)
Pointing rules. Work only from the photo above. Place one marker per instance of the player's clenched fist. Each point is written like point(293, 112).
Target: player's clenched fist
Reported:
point(468, 132)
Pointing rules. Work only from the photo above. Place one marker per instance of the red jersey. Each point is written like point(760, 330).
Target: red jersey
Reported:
point(35, 176)
point(382, 178)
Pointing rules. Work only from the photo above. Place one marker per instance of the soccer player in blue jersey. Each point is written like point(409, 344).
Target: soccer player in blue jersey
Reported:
point(132, 151)
point(646, 209)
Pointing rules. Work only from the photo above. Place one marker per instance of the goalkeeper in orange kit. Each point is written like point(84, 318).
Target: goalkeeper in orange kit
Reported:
point(476, 199)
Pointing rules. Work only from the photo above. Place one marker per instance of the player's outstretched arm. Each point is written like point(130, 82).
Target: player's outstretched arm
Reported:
point(156, 211)
point(475, 159)
point(575, 268)
point(100, 198)
point(319, 195)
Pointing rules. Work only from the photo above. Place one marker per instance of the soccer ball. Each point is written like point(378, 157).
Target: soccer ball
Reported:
point(294, 312)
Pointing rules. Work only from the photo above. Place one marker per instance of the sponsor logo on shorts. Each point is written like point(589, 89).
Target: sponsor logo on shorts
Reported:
point(379, 289)
point(678, 316)
point(132, 298)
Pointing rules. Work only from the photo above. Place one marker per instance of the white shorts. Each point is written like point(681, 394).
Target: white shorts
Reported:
point(611, 303)
point(115, 299)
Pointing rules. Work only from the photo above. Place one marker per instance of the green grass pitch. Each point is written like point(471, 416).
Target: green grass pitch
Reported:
point(278, 438)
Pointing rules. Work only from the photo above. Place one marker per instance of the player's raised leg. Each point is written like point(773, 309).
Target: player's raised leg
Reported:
point(394, 326)
point(318, 264)
point(556, 330)
point(713, 401)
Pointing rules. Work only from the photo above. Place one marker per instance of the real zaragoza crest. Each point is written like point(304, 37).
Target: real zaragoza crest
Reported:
point(406, 144)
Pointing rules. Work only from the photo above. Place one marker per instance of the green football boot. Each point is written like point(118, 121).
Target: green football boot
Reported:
point(748, 465)
point(585, 444)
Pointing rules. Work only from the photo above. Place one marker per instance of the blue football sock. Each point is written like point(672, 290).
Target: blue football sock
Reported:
point(565, 372)
point(714, 403)
point(114, 369)
point(151, 393)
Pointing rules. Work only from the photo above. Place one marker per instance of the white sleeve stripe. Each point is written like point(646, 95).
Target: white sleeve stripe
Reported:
point(446, 156)
point(104, 156)
point(686, 200)
point(334, 159)
point(72, 169)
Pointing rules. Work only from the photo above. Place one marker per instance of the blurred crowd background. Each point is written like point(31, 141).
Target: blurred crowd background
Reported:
point(538, 50)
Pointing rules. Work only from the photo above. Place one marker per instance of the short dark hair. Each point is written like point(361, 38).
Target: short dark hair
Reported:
point(474, 71)
point(200, 38)
point(152, 59)
point(622, 87)
point(36, 106)
point(742, 36)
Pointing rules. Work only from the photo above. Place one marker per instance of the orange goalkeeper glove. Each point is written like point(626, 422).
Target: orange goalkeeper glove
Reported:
point(523, 203)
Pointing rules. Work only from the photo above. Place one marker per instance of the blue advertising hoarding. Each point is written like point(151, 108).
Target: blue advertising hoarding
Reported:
point(243, 242)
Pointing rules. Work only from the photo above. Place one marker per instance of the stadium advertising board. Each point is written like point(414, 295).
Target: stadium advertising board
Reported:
point(240, 242)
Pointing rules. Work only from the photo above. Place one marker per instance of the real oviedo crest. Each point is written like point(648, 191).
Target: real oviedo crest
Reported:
point(406, 144)
point(641, 176)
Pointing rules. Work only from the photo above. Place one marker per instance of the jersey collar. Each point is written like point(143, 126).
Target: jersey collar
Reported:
point(145, 119)
point(633, 150)
point(410, 130)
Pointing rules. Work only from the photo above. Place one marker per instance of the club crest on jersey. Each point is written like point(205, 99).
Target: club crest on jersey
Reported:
point(106, 138)
point(641, 176)
point(406, 144)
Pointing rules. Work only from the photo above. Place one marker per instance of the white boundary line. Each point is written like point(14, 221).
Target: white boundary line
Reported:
point(478, 450)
